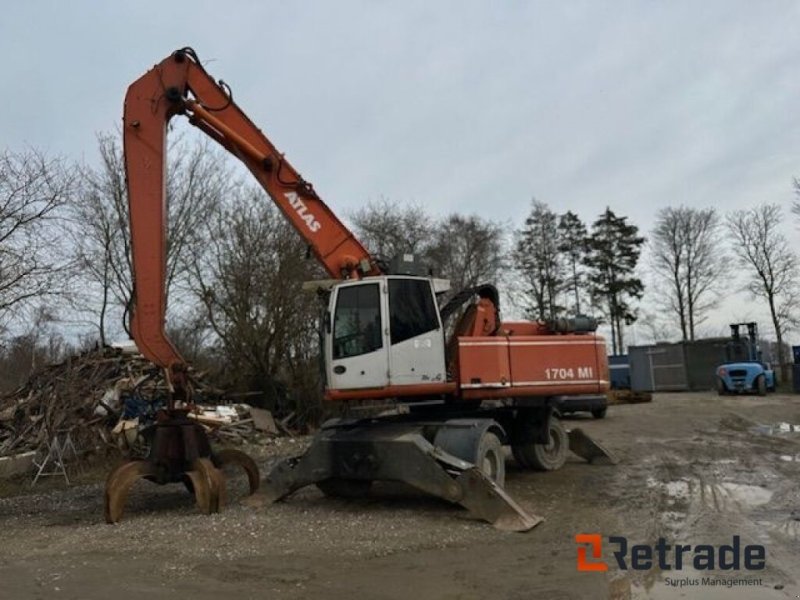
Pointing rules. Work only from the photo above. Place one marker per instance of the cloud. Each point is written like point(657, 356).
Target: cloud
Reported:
point(459, 106)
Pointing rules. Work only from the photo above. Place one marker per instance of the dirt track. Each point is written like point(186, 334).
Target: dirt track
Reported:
point(694, 469)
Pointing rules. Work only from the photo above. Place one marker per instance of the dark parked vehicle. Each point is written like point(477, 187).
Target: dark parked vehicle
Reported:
point(595, 404)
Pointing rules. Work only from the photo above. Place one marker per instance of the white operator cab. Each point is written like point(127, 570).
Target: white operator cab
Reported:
point(384, 331)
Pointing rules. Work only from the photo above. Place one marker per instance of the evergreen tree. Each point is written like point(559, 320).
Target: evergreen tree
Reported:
point(613, 251)
point(538, 261)
point(572, 245)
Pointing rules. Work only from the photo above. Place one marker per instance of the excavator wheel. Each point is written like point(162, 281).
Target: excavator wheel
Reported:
point(490, 458)
point(476, 441)
point(544, 457)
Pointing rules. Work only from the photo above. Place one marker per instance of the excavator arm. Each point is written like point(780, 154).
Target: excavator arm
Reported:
point(180, 85)
point(179, 447)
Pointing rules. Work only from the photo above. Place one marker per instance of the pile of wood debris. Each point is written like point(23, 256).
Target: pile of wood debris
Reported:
point(238, 423)
point(82, 395)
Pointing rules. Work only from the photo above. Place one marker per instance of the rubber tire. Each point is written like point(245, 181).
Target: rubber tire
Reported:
point(345, 488)
point(600, 413)
point(541, 457)
point(721, 389)
point(490, 458)
point(761, 385)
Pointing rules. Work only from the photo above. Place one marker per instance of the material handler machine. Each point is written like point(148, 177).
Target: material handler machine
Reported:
point(470, 382)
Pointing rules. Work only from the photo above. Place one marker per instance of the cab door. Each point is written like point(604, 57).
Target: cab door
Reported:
point(357, 348)
point(416, 338)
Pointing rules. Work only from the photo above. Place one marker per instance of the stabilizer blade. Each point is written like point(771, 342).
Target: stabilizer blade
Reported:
point(587, 448)
point(488, 501)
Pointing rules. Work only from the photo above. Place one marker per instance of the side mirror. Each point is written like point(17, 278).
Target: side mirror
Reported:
point(327, 318)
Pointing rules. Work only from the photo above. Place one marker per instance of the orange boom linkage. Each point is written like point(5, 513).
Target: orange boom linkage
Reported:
point(486, 384)
point(180, 85)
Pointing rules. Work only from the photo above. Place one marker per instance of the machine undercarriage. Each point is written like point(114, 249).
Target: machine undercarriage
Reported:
point(453, 455)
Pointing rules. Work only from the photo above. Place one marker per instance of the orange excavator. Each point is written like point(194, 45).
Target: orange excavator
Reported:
point(468, 382)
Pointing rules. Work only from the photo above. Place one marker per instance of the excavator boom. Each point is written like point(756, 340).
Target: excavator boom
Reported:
point(180, 85)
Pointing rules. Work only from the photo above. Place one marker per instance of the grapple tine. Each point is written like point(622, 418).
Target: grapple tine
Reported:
point(231, 456)
point(585, 447)
point(215, 484)
point(218, 479)
point(119, 483)
point(202, 492)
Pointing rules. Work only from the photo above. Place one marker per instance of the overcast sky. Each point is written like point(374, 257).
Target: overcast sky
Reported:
point(463, 106)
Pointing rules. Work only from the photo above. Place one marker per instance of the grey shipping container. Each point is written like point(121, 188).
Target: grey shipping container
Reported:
point(702, 359)
point(659, 368)
point(681, 366)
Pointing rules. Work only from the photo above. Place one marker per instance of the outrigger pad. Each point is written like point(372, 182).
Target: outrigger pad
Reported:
point(397, 452)
point(489, 502)
point(585, 447)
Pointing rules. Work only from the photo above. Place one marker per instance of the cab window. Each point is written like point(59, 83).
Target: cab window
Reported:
point(412, 310)
point(357, 321)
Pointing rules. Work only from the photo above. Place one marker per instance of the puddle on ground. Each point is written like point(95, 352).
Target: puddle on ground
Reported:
point(674, 489)
point(720, 496)
point(790, 457)
point(790, 528)
point(787, 526)
point(747, 495)
point(776, 429)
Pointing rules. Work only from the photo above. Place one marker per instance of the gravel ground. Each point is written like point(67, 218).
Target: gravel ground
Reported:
point(694, 468)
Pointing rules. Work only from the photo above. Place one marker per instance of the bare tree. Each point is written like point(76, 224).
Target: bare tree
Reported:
point(796, 202)
point(467, 250)
point(387, 228)
point(33, 190)
point(771, 264)
point(197, 180)
point(687, 254)
point(657, 326)
point(248, 281)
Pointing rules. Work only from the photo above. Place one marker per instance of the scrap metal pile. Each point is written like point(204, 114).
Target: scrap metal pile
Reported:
point(99, 393)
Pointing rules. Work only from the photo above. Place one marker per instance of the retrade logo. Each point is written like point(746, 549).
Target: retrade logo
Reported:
point(595, 542)
point(666, 557)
